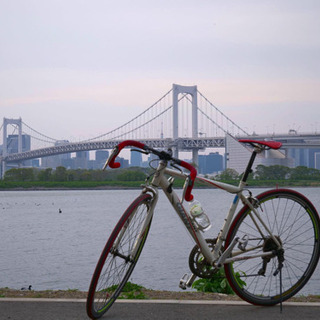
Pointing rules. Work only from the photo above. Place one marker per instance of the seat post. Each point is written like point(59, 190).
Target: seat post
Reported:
point(249, 166)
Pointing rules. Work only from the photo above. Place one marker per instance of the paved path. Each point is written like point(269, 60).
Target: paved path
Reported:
point(45, 309)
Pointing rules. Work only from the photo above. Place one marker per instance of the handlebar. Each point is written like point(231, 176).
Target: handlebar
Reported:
point(161, 154)
point(118, 149)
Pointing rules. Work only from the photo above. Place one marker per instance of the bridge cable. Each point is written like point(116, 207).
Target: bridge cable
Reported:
point(38, 139)
point(223, 115)
point(103, 135)
point(142, 125)
point(149, 121)
point(53, 140)
point(210, 119)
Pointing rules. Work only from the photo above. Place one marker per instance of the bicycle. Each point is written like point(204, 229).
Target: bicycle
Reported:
point(269, 249)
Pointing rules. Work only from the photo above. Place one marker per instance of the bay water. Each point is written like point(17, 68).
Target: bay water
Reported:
point(53, 239)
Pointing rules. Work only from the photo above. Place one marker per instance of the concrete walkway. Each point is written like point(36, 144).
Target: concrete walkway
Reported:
point(61, 309)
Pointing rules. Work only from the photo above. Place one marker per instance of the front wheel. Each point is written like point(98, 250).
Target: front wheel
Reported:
point(119, 257)
point(294, 222)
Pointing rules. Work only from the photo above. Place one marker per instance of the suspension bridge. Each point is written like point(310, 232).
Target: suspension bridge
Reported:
point(182, 119)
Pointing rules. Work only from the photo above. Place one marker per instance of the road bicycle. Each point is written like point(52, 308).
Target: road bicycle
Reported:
point(268, 250)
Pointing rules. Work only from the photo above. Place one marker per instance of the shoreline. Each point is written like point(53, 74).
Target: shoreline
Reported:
point(147, 294)
point(107, 187)
point(68, 189)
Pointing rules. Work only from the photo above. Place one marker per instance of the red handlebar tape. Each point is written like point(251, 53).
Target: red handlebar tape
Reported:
point(193, 171)
point(193, 174)
point(122, 145)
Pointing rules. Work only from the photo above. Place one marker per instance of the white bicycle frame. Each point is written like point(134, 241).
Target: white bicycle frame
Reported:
point(213, 257)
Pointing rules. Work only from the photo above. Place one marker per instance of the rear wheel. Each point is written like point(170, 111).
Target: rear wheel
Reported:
point(119, 257)
point(294, 223)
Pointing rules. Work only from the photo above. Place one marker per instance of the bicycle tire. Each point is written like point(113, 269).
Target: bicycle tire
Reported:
point(292, 218)
point(115, 264)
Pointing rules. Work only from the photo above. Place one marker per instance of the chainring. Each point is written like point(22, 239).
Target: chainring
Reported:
point(198, 264)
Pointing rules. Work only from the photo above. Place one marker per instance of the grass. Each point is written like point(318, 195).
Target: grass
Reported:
point(5, 185)
point(72, 290)
point(130, 291)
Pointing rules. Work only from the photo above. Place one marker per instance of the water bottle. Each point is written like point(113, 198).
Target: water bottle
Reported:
point(199, 215)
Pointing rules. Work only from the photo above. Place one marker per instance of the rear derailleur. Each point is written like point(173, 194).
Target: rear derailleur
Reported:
point(270, 245)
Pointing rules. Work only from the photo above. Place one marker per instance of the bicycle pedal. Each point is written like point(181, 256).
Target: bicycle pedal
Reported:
point(183, 282)
point(187, 281)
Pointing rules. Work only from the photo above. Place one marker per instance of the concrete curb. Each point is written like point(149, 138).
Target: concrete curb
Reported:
point(208, 302)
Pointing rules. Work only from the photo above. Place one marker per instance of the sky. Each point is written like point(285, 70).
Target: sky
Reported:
point(76, 69)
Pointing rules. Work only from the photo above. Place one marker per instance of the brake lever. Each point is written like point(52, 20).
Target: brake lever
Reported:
point(112, 155)
point(141, 151)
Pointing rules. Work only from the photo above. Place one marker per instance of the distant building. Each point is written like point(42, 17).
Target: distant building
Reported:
point(81, 160)
point(12, 143)
point(67, 162)
point(12, 147)
point(136, 159)
point(238, 155)
point(303, 156)
point(317, 160)
point(102, 155)
point(58, 160)
point(124, 163)
point(211, 163)
point(100, 160)
point(35, 163)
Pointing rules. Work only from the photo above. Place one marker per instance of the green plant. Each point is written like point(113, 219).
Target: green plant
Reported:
point(129, 291)
point(217, 284)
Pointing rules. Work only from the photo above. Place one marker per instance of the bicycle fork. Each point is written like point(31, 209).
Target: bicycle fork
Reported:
point(146, 222)
point(143, 228)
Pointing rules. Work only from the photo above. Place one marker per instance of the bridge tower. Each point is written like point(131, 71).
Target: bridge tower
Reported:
point(193, 91)
point(6, 122)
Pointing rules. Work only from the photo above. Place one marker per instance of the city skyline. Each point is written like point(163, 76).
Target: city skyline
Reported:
point(210, 163)
point(89, 67)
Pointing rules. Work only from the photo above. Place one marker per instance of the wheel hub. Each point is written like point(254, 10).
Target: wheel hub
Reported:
point(270, 244)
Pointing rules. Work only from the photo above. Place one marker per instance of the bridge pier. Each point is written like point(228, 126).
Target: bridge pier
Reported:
point(17, 122)
point(6, 122)
point(193, 91)
point(195, 156)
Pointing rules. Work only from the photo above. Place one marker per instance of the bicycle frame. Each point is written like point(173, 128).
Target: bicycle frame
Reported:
point(159, 180)
point(213, 257)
